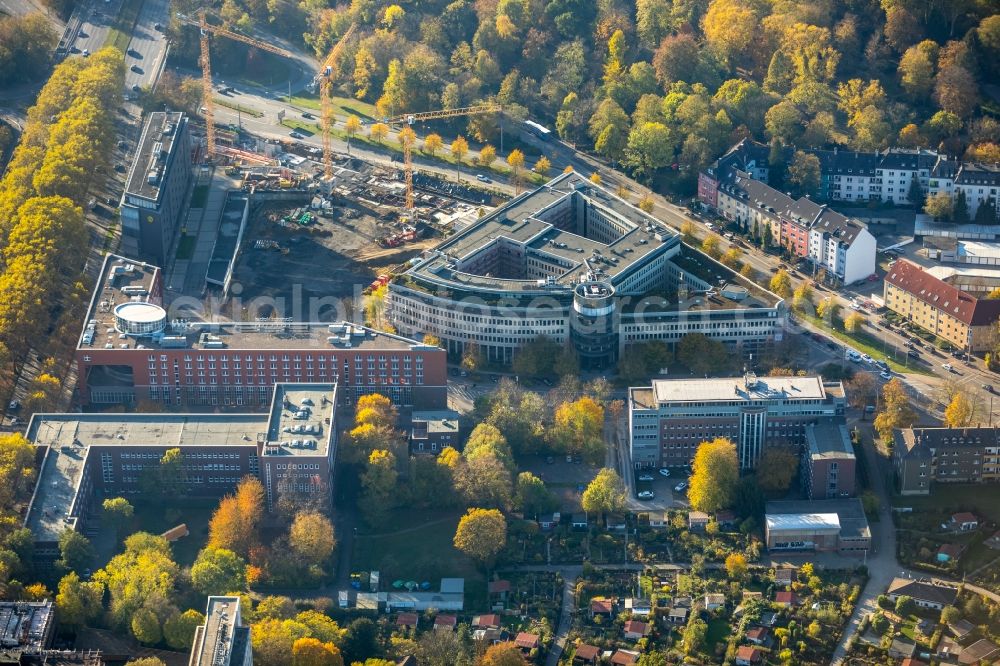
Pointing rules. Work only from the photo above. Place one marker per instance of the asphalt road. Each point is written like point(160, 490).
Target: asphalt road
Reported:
point(147, 50)
point(97, 17)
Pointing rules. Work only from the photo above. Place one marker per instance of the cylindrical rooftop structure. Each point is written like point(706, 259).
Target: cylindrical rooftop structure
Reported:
point(140, 319)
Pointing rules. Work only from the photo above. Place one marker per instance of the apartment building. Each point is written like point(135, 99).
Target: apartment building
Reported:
point(925, 456)
point(131, 349)
point(223, 640)
point(842, 246)
point(156, 187)
point(668, 420)
point(896, 175)
point(940, 308)
point(292, 449)
point(574, 263)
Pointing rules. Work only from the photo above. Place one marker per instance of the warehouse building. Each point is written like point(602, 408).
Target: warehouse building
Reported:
point(834, 525)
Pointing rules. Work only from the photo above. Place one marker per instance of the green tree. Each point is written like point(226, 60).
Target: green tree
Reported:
point(804, 172)
point(218, 571)
point(481, 534)
point(379, 483)
point(178, 630)
point(166, 479)
point(485, 481)
point(76, 551)
point(579, 427)
point(854, 322)
point(960, 209)
point(604, 494)
point(146, 626)
point(905, 606)
point(78, 602)
point(485, 439)
point(533, 497)
point(694, 635)
point(118, 512)
point(702, 354)
point(714, 476)
point(776, 469)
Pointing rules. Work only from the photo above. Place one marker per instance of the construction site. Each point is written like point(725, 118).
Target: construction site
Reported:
point(320, 240)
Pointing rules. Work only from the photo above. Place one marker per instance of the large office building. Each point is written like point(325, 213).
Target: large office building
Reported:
point(833, 525)
point(131, 350)
point(927, 456)
point(574, 263)
point(223, 640)
point(894, 175)
point(668, 420)
point(940, 308)
point(291, 449)
point(156, 187)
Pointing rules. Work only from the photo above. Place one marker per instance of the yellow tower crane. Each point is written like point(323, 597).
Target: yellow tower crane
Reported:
point(326, 78)
point(413, 118)
point(206, 66)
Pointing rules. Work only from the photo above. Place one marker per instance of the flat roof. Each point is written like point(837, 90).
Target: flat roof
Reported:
point(738, 388)
point(829, 439)
point(849, 511)
point(803, 521)
point(642, 397)
point(301, 421)
point(978, 249)
point(527, 221)
point(124, 280)
point(945, 273)
point(218, 634)
point(438, 420)
point(227, 238)
point(154, 153)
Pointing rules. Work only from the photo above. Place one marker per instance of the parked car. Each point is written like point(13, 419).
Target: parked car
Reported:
point(948, 367)
point(646, 495)
point(988, 388)
point(664, 472)
point(13, 405)
point(913, 353)
point(483, 179)
point(307, 115)
point(886, 375)
point(681, 487)
point(646, 477)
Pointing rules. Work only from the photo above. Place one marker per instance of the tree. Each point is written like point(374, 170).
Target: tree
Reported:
point(960, 209)
point(579, 427)
point(736, 566)
point(311, 652)
point(854, 322)
point(485, 481)
point(361, 640)
point(146, 661)
point(273, 640)
point(956, 91)
point(676, 59)
point(916, 69)
point(75, 549)
point(481, 534)
point(804, 171)
point(178, 630)
point(604, 494)
point(694, 634)
point(533, 497)
point(118, 512)
point(826, 309)
point(960, 411)
point(218, 571)
point(776, 469)
point(783, 122)
point(950, 615)
point(378, 132)
point(351, 127)
point(311, 537)
point(815, 629)
point(78, 602)
point(646, 203)
point(379, 483)
point(487, 156)
point(542, 166)
point(166, 479)
point(502, 654)
point(710, 246)
point(702, 354)
point(275, 607)
point(861, 390)
point(516, 161)
point(732, 258)
point(939, 206)
point(781, 284)
point(896, 411)
point(485, 439)
point(234, 524)
point(459, 148)
point(729, 27)
point(146, 626)
point(714, 477)
point(905, 606)
point(802, 297)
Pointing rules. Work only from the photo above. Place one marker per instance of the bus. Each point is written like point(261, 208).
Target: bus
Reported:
point(541, 132)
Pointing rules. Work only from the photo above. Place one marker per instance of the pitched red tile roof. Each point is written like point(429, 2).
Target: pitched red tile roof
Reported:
point(587, 652)
point(497, 586)
point(964, 517)
point(785, 597)
point(600, 605)
point(748, 653)
point(486, 621)
point(910, 661)
point(406, 620)
point(939, 294)
point(526, 640)
point(445, 621)
point(636, 627)
point(757, 633)
point(624, 658)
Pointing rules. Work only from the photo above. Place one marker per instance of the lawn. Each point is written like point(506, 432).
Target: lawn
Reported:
point(981, 499)
point(195, 513)
point(229, 104)
point(120, 34)
point(863, 342)
point(199, 196)
point(718, 632)
point(185, 247)
point(342, 106)
point(424, 554)
point(267, 70)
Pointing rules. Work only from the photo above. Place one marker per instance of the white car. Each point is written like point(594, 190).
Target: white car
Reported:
point(646, 495)
point(885, 375)
point(866, 358)
point(664, 472)
point(948, 367)
point(681, 487)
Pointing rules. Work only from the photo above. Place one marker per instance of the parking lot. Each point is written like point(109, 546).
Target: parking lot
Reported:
point(664, 489)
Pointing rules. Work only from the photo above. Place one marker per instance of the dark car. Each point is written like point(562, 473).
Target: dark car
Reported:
point(988, 388)
point(158, 27)
point(913, 353)
point(136, 69)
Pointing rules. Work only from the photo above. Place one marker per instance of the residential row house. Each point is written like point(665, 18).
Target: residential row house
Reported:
point(940, 308)
point(925, 456)
point(842, 246)
point(851, 176)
